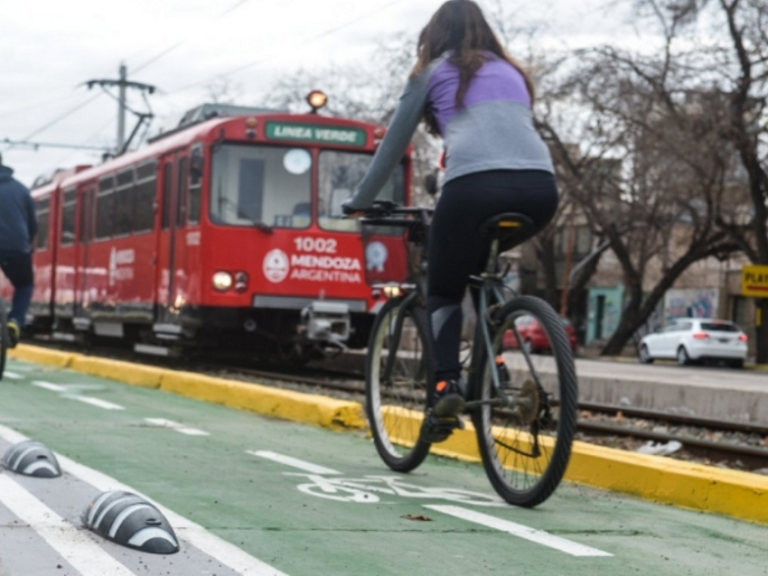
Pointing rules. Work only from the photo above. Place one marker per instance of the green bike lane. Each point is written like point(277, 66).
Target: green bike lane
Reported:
point(309, 501)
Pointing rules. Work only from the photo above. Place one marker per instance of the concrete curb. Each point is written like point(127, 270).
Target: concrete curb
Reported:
point(729, 492)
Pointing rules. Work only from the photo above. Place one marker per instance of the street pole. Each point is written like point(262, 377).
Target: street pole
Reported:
point(121, 107)
point(123, 84)
point(567, 267)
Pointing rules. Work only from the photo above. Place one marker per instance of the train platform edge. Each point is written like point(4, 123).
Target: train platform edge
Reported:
point(737, 494)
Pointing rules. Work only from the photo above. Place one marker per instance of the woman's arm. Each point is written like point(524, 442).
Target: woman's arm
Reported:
point(392, 148)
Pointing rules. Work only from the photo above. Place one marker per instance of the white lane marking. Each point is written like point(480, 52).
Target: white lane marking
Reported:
point(73, 544)
point(163, 423)
point(96, 402)
point(49, 386)
point(194, 534)
point(519, 530)
point(12, 375)
point(295, 462)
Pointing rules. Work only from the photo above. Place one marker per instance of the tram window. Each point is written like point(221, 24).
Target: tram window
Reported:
point(195, 185)
point(43, 209)
point(339, 175)
point(86, 215)
point(104, 206)
point(181, 189)
point(68, 211)
point(123, 201)
point(167, 191)
point(144, 198)
point(254, 185)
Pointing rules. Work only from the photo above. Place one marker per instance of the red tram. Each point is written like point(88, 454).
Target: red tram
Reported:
point(227, 230)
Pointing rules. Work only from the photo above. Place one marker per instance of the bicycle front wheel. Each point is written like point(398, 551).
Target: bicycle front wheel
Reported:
point(4, 338)
point(397, 375)
point(525, 425)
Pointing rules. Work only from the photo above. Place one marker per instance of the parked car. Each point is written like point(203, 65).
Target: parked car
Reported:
point(696, 339)
point(534, 338)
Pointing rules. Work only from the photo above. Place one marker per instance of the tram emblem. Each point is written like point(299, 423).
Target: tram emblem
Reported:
point(376, 255)
point(276, 266)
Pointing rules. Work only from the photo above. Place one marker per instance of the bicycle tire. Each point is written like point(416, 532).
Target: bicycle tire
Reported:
point(539, 429)
point(4, 338)
point(402, 384)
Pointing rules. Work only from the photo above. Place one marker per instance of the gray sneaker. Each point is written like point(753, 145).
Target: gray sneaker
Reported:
point(14, 333)
point(448, 398)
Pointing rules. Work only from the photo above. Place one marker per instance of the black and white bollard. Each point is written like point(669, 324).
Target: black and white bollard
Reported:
point(31, 458)
point(129, 520)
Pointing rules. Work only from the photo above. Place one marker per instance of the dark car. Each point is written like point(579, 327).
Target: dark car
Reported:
point(534, 338)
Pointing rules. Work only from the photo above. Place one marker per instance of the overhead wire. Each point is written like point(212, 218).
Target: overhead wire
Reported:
point(170, 49)
point(61, 117)
point(37, 105)
point(304, 43)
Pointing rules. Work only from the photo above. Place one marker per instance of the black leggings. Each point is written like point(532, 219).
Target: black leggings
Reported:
point(457, 249)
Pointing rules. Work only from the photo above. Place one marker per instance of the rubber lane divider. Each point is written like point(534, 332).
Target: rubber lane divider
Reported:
point(266, 400)
point(729, 492)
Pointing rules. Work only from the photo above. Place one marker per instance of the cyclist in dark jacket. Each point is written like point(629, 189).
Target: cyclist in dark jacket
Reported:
point(18, 228)
point(470, 92)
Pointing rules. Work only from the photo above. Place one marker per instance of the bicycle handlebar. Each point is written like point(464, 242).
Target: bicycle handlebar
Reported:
point(385, 208)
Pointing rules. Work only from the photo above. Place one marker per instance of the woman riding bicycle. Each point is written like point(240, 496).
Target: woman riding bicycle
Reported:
point(471, 92)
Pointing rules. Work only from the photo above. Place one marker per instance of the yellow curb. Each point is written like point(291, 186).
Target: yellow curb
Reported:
point(127, 372)
point(285, 404)
point(42, 356)
point(729, 492)
point(665, 480)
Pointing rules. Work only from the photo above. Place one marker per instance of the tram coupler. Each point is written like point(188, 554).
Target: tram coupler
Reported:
point(326, 322)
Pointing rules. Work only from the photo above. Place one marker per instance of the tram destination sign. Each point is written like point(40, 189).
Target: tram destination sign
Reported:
point(315, 133)
point(754, 281)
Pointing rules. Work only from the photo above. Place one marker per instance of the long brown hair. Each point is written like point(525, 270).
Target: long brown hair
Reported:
point(459, 25)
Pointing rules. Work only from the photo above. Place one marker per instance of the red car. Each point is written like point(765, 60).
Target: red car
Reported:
point(534, 338)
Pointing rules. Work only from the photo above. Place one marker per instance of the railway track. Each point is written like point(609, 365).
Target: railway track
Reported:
point(717, 451)
point(597, 423)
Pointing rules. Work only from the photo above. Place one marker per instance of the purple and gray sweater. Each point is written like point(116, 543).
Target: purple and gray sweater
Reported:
point(493, 131)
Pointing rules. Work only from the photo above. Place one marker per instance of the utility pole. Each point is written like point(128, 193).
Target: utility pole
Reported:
point(570, 230)
point(122, 84)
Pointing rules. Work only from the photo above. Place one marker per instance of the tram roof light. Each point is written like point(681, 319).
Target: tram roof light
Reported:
point(317, 99)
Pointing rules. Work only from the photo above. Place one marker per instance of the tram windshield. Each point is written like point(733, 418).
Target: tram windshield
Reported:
point(339, 175)
point(261, 186)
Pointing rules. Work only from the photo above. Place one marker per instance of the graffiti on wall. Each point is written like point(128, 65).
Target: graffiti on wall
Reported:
point(691, 303)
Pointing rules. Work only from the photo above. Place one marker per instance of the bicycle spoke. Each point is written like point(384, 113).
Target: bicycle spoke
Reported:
point(397, 379)
point(526, 444)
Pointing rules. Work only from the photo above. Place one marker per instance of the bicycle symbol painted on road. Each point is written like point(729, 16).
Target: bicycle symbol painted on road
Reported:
point(369, 489)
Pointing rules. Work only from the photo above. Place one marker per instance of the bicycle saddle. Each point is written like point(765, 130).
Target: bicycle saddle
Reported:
point(505, 221)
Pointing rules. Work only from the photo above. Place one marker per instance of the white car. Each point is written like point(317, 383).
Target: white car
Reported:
point(692, 339)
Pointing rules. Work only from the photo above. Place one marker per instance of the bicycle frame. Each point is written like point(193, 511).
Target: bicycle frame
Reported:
point(490, 284)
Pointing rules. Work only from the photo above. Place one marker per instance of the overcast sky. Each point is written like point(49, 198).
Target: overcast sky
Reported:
point(49, 48)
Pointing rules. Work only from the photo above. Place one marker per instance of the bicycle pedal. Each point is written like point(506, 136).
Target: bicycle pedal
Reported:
point(438, 428)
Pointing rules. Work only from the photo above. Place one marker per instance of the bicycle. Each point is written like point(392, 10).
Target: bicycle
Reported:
point(524, 420)
point(5, 341)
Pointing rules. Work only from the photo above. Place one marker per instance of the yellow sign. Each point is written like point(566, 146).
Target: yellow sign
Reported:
point(754, 281)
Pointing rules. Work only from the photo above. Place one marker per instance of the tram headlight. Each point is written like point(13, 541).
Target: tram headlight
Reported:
point(222, 281)
point(317, 100)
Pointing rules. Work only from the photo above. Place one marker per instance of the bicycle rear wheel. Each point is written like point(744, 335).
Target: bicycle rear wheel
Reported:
point(4, 338)
point(397, 375)
point(526, 429)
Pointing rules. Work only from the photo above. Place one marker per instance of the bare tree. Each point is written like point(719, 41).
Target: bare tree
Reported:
point(728, 78)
